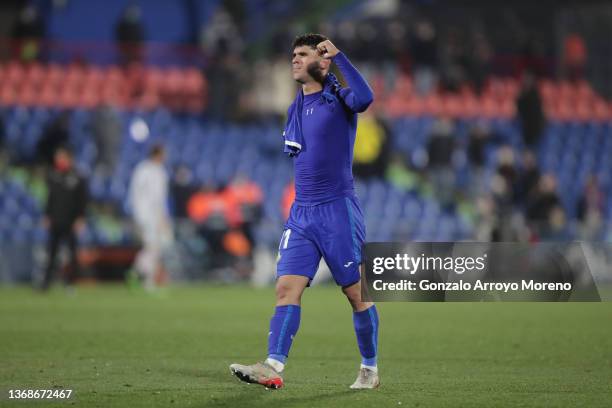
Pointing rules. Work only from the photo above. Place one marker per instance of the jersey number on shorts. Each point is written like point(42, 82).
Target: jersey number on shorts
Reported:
point(284, 240)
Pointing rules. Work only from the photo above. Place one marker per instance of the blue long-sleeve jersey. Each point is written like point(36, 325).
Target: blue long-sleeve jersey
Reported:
point(323, 171)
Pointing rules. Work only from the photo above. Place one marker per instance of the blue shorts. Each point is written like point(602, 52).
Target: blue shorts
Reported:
point(334, 230)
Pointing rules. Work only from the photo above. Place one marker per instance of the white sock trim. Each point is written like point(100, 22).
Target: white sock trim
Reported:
point(275, 364)
point(371, 368)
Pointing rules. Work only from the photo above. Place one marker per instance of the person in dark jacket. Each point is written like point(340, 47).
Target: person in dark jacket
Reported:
point(530, 112)
point(64, 213)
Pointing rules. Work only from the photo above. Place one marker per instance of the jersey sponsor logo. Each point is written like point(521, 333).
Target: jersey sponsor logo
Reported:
point(309, 111)
point(348, 264)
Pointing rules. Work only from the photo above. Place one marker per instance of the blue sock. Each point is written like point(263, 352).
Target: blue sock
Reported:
point(283, 327)
point(366, 329)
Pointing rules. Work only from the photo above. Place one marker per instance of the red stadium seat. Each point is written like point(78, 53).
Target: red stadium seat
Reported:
point(54, 74)
point(35, 74)
point(404, 86)
point(194, 82)
point(8, 96)
point(94, 75)
point(413, 105)
point(432, 105)
point(601, 110)
point(15, 72)
point(48, 95)
point(489, 108)
point(508, 108)
point(582, 111)
point(75, 75)
point(153, 78)
point(28, 95)
point(566, 91)
point(395, 106)
point(470, 106)
point(113, 75)
point(451, 106)
point(149, 100)
point(378, 86)
point(584, 90)
point(547, 90)
point(68, 97)
point(89, 98)
point(511, 88)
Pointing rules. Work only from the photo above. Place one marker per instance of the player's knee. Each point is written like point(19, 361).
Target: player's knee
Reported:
point(287, 293)
point(353, 294)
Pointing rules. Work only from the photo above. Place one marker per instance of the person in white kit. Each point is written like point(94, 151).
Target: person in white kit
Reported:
point(148, 195)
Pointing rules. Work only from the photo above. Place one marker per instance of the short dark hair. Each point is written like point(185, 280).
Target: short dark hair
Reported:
point(156, 151)
point(311, 40)
point(63, 149)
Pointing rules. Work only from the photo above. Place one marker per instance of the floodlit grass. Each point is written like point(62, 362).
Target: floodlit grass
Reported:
point(119, 348)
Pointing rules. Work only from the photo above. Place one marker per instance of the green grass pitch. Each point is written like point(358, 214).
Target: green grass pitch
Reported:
point(117, 348)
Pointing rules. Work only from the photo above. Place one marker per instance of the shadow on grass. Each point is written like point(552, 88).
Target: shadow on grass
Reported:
point(230, 392)
point(256, 396)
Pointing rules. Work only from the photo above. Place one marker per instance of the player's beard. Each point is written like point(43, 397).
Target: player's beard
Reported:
point(314, 70)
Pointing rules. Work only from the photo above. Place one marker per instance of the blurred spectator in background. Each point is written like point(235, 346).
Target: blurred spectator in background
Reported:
point(556, 228)
point(400, 175)
point(592, 200)
point(287, 199)
point(221, 35)
point(528, 178)
point(182, 189)
point(106, 223)
point(221, 40)
point(479, 137)
point(148, 195)
point(272, 92)
point(216, 214)
point(2, 135)
point(529, 110)
point(502, 188)
point(486, 222)
point(249, 198)
point(371, 151)
point(440, 149)
point(454, 60)
point(425, 57)
point(590, 209)
point(64, 213)
point(130, 35)
point(106, 126)
point(28, 31)
point(56, 134)
point(574, 57)
point(542, 202)
point(479, 64)
point(506, 169)
point(224, 78)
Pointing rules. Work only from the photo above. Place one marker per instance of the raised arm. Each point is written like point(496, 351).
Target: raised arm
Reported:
point(359, 95)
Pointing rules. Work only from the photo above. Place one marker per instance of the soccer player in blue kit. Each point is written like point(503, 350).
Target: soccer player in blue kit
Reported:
point(326, 219)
